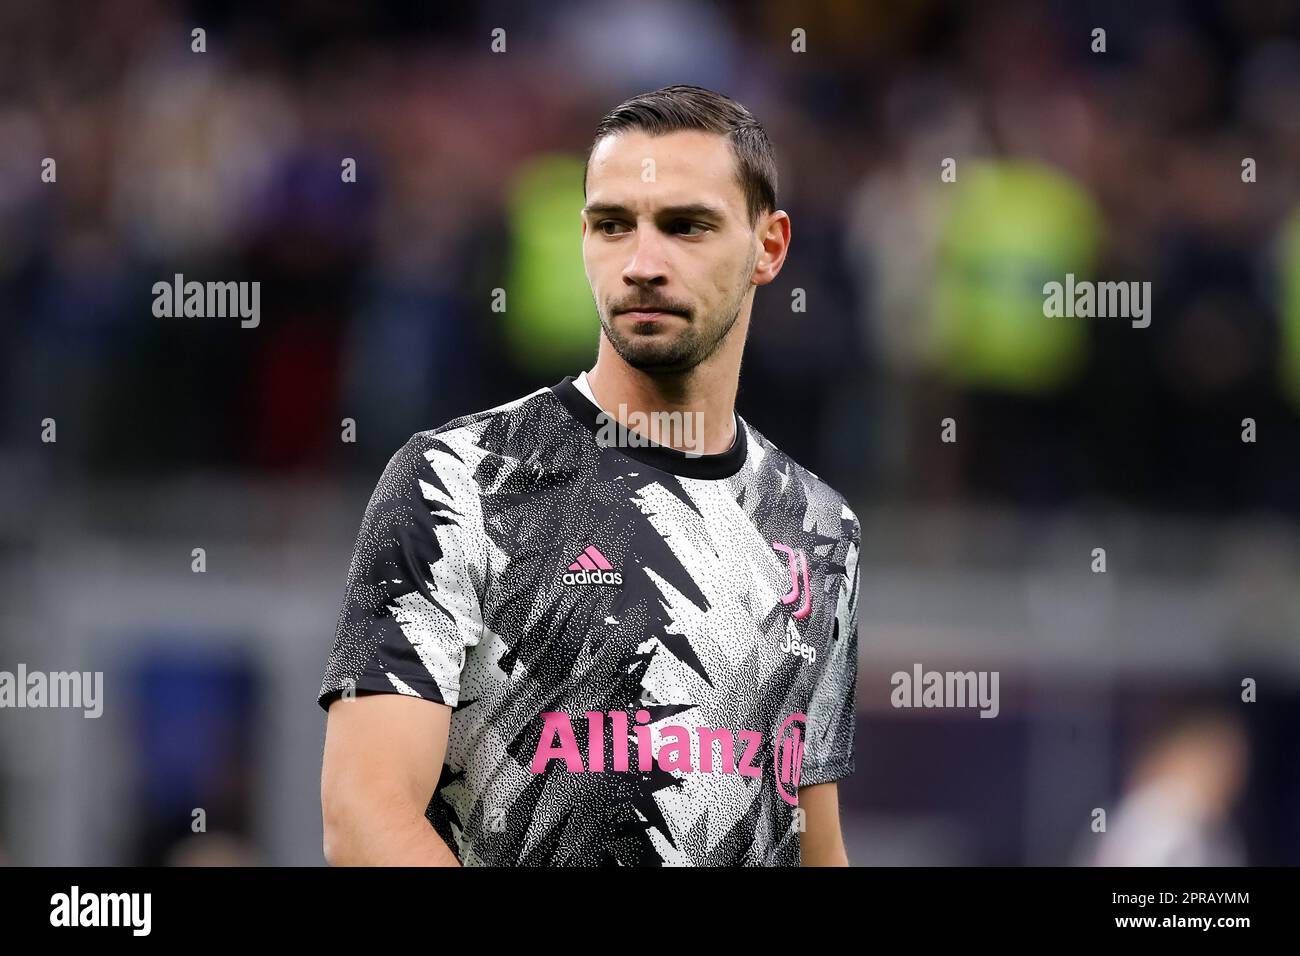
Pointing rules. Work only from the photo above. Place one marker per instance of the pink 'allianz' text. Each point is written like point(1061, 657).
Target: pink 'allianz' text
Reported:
point(558, 742)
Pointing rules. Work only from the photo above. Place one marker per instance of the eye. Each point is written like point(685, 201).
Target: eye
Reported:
point(604, 223)
point(688, 224)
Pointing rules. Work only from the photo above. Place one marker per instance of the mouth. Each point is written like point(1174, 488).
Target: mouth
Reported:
point(639, 315)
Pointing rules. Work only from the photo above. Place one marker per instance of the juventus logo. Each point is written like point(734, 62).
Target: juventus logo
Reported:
point(797, 561)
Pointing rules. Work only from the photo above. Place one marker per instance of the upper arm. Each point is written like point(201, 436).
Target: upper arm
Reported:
point(412, 607)
point(822, 843)
point(392, 744)
point(832, 720)
point(832, 706)
point(410, 613)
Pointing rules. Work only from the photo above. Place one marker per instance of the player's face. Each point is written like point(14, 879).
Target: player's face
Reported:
point(667, 246)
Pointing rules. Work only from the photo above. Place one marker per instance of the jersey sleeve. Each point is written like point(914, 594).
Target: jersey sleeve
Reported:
point(412, 606)
point(832, 711)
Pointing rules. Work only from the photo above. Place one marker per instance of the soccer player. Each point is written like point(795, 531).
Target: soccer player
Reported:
point(565, 643)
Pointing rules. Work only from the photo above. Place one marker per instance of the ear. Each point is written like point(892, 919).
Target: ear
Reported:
point(776, 243)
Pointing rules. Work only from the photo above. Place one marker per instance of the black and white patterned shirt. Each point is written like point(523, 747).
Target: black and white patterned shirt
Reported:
point(647, 652)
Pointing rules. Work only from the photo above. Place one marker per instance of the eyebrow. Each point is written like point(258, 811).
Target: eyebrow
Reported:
point(687, 210)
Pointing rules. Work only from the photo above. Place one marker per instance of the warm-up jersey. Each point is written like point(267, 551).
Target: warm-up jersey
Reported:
point(646, 653)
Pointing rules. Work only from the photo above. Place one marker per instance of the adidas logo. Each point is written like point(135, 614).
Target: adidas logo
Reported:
point(592, 567)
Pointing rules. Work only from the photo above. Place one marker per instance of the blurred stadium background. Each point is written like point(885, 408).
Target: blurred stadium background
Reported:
point(924, 302)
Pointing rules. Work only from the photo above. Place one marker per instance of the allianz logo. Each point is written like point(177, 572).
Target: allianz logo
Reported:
point(736, 749)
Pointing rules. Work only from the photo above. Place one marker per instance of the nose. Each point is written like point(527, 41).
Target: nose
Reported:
point(648, 265)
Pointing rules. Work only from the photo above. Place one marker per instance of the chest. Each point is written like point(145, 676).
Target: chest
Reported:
point(699, 583)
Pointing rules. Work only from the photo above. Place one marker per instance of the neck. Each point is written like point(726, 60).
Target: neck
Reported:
point(707, 391)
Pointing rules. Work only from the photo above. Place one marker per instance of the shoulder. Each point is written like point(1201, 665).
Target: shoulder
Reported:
point(506, 431)
point(452, 451)
point(504, 419)
point(770, 464)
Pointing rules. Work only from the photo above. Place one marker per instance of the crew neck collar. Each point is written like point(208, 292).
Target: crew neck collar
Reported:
point(671, 460)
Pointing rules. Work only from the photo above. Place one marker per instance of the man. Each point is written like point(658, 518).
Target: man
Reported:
point(1177, 807)
point(587, 647)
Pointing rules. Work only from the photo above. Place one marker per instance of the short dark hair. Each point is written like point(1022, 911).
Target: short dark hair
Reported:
point(675, 108)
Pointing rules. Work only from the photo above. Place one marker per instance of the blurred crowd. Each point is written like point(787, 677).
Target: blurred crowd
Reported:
point(924, 296)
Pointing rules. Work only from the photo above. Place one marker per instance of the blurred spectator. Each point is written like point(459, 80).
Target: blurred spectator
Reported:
point(1176, 807)
point(212, 849)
